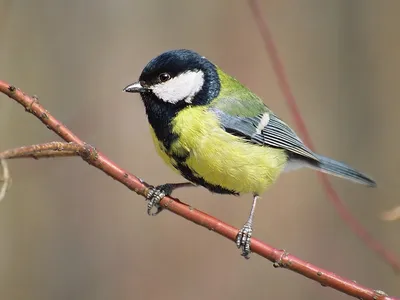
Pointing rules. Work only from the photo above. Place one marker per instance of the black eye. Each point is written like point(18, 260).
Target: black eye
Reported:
point(164, 77)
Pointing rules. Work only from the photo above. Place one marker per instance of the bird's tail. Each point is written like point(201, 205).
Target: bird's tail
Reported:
point(340, 169)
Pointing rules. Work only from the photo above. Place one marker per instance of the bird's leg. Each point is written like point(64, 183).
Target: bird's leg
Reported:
point(243, 239)
point(155, 194)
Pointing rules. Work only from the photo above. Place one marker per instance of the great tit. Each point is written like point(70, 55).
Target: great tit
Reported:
point(218, 134)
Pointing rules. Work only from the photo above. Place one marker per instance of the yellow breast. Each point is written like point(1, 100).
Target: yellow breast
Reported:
point(221, 158)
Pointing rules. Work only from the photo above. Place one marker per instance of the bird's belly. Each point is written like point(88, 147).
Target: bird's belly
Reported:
point(224, 160)
point(236, 165)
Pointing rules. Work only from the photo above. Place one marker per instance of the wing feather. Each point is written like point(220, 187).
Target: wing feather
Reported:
point(275, 133)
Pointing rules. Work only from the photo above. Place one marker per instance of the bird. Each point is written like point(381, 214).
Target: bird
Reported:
point(218, 134)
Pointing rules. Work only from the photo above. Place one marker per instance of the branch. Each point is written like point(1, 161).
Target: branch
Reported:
point(392, 215)
point(52, 149)
point(333, 196)
point(5, 180)
point(280, 258)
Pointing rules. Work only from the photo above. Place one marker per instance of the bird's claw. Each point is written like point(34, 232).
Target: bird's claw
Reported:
point(154, 197)
point(243, 240)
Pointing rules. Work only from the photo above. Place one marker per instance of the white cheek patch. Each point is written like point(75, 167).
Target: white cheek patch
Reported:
point(180, 88)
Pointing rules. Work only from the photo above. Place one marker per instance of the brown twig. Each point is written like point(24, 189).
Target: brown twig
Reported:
point(47, 150)
point(5, 180)
point(392, 215)
point(333, 196)
point(280, 258)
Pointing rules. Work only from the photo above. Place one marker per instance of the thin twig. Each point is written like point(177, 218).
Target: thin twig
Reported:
point(392, 215)
point(5, 181)
point(47, 150)
point(333, 196)
point(280, 258)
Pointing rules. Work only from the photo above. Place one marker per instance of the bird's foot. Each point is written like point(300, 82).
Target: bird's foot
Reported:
point(154, 196)
point(243, 240)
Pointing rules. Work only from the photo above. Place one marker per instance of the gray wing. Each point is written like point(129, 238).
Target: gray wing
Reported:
point(265, 129)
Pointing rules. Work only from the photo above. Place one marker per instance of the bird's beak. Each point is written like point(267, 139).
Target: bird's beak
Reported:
point(135, 88)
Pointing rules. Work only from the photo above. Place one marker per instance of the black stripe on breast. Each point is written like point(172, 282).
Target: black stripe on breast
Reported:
point(196, 179)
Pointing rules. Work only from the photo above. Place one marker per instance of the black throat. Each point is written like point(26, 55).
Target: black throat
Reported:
point(160, 114)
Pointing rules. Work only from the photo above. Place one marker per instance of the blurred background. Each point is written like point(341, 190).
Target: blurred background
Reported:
point(67, 231)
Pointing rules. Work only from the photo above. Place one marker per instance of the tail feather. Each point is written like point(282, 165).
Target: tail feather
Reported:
point(340, 169)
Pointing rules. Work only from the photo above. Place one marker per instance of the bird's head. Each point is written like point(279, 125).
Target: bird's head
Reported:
point(178, 77)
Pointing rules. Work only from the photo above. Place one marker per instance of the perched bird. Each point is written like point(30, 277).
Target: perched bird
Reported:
point(218, 134)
